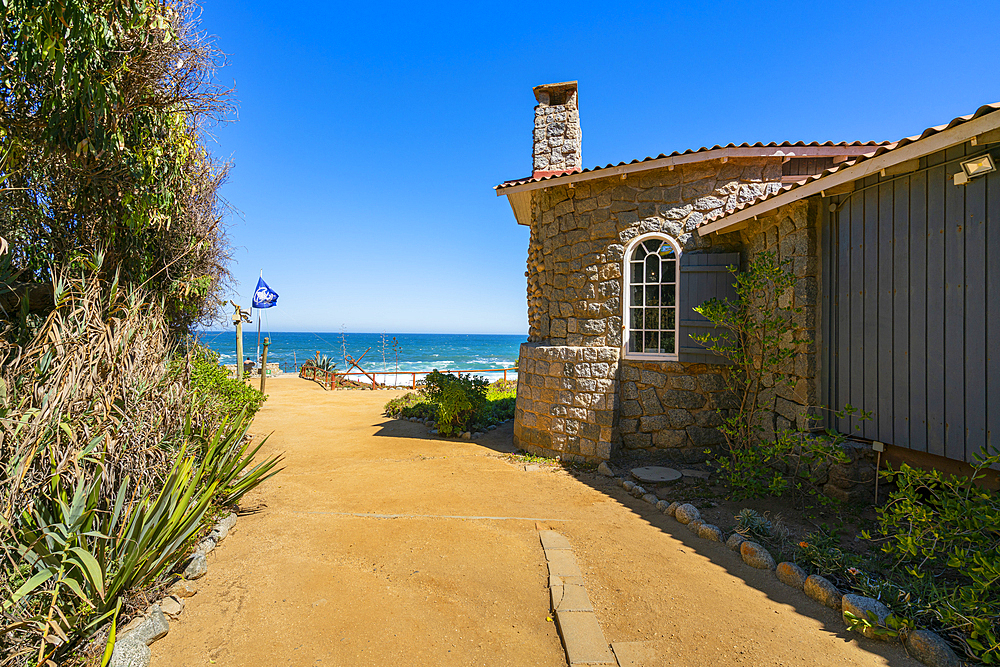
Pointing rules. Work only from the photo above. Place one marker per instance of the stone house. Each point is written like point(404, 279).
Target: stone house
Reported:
point(620, 255)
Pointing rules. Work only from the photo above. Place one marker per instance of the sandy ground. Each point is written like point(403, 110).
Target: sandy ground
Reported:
point(381, 545)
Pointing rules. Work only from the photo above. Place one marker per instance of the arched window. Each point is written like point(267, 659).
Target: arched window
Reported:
point(651, 273)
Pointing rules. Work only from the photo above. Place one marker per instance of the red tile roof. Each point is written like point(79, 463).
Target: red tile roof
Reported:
point(881, 150)
point(691, 151)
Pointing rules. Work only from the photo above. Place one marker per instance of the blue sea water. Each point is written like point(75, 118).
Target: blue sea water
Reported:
point(413, 353)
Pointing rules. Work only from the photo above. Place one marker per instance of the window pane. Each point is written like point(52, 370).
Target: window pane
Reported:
point(666, 250)
point(637, 295)
point(667, 319)
point(652, 342)
point(667, 293)
point(669, 343)
point(652, 269)
point(652, 295)
point(669, 271)
point(652, 245)
point(636, 272)
point(635, 342)
point(636, 321)
point(638, 253)
point(652, 319)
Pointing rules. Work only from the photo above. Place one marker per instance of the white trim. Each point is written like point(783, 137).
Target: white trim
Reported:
point(915, 150)
point(627, 295)
point(688, 158)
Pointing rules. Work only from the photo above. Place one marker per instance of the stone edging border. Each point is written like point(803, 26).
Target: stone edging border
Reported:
point(582, 636)
point(923, 645)
point(134, 639)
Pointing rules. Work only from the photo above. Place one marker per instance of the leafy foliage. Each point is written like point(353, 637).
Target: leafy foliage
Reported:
point(106, 477)
point(458, 397)
point(943, 531)
point(220, 396)
point(457, 403)
point(102, 109)
point(757, 335)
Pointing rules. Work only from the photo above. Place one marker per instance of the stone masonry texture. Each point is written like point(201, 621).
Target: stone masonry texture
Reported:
point(576, 396)
point(557, 136)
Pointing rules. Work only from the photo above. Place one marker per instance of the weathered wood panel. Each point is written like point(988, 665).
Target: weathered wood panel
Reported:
point(703, 276)
point(913, 325)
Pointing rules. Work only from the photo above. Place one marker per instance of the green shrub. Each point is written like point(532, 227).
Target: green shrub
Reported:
point(222, 396)
point(943, 534)
point(459, 398)
point(457, 403)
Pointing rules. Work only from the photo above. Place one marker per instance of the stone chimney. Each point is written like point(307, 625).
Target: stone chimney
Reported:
point(557, 130)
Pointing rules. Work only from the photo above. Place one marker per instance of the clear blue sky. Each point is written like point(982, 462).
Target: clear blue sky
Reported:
point(369, 136)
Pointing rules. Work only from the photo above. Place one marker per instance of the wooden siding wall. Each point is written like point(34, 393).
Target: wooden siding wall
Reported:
point(703, 276)
point(912, 320)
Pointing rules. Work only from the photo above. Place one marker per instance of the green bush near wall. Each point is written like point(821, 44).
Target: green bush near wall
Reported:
point(222, 396)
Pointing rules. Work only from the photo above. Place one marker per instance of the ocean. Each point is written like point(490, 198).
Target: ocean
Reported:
point(420, 353)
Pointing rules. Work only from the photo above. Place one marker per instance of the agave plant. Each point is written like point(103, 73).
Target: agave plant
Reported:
point(83, 556)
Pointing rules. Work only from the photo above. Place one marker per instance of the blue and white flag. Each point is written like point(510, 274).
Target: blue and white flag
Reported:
point(264, 296)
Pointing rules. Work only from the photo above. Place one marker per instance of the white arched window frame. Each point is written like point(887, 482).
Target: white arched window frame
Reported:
point(650, 296)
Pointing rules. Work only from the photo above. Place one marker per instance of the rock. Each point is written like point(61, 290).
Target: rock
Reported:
point(820, 589)
point(791, 574)
point(756, 556)
point(655, 474)
point(228, 521)
point(182, 589)
point(219, 532)
point(491, 428)
point(672, 508)
point(651, 499)
point(206, 546)
point(698, 474)
point(662, 505)
point(434, 431)
point(693, 526)
point(930, 649)
point(735, 541)
point(621, 482)
point(130, 653)
point(477, 435)
point(171, 606)
point(710, 532)
point(638, 491)
point(628, 486)
point(154, 626)
point(196, 567)
point(467, 435)
point(686, 513)
point(859, 606)
point(605, 469)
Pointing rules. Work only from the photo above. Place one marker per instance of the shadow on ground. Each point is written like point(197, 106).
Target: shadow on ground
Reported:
point(501, 441)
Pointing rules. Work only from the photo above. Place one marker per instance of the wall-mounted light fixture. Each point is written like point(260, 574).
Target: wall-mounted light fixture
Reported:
point(975, 167)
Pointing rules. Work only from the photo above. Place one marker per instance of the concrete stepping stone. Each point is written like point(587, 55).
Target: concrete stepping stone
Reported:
point(656, 474)
point(583, 638)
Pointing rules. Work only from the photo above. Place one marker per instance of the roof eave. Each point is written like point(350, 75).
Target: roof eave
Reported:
point(914, 150)
point(686, 158)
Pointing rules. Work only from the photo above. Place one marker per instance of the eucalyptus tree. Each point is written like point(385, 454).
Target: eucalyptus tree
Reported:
point(104, 106)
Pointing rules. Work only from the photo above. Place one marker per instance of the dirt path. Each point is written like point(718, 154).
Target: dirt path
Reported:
point(381, 545)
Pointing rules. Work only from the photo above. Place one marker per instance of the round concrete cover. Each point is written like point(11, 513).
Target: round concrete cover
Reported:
point(655, 474)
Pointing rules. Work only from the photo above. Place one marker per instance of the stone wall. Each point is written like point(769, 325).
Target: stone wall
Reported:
point(557, 137)
point(578, 237)
point(566, 401)
point(672, 405)
point(576, 404)
point(792, 234)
